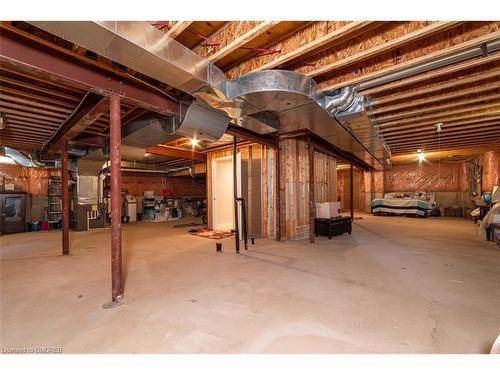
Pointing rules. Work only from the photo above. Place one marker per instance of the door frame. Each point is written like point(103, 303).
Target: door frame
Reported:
point(214, 185)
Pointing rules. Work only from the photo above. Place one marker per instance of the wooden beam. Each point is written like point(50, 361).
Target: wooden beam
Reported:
point(243, 40)
point(54, 115)
point(438, 98)
point(428, 110)
point(453, 146)
point(176, 152)
point(91, 108)
point(453, 142)
point(39, 98)
point(250, 135)
point(444, 135)
point(455, 68)
point(432, 130)
point(178, 28)
point(408, 38)
point(41, 89)
point(464, 151)
point(326, 85)
point(412, 129)
point(440, 116)
point(438, 87)
point(329, 40)
point(32, 103)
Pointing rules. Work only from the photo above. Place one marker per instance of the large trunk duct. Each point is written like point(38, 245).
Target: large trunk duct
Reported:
point(263, 101)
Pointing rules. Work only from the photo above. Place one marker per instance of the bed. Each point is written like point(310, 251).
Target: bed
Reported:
point(398, 206)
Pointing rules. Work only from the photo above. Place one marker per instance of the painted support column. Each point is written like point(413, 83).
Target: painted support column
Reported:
point(65, 197)
point(352, 192)
point(116, 206)
point(312, 205)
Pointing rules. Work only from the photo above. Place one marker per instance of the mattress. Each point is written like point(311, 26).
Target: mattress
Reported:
point(400, 206)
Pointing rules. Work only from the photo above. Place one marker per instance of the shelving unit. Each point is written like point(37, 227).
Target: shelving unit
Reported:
point(54, 205)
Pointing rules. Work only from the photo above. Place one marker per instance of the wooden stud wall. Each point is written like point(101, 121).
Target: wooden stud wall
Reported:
point(258, 175)
point(295, 185)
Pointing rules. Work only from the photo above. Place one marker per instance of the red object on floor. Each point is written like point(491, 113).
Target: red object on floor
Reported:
point(44, 225)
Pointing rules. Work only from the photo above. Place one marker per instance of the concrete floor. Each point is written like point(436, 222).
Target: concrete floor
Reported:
point(396, 285)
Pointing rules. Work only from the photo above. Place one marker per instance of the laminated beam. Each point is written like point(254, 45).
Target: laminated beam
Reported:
point(176, 152)
point(250, 135)
point(91, 108)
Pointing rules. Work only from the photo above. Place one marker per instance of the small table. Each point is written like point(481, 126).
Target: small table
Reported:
point(332, 227)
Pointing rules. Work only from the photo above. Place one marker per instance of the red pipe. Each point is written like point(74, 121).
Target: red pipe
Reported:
point(65, 197)
point(116, 207)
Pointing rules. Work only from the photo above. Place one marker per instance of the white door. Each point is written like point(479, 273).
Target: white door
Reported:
point(222, 191)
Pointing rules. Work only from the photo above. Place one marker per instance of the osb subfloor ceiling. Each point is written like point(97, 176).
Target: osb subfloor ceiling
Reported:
point(464, 96)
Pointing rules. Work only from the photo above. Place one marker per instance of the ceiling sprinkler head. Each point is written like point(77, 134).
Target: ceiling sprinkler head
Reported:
point(439, 126)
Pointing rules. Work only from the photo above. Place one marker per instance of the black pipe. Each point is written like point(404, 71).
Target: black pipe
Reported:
point(244, 220)
point(235, 195)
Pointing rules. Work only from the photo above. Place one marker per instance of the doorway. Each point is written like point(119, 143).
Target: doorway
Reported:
point(222, 192)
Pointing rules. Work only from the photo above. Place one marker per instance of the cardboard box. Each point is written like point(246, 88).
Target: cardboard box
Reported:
point(328, 210)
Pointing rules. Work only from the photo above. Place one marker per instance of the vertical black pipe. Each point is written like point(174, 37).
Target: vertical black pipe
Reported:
point(235, 198)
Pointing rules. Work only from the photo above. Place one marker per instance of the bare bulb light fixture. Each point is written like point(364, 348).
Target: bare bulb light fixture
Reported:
point(420, 156)
point(194, 142)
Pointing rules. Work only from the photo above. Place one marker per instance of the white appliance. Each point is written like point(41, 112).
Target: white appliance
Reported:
point(131, 207)
point(328, 210)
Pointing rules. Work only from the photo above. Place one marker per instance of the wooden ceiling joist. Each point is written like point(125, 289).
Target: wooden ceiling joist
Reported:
point(437, 98)
point(242, 40)
point(408, 38)
point(445, 134)
point(328, 85)
point(343, 34)
point(36, 98)
point(455, 68)
point(178, 28)
point(493, 74)
point(434, 148)
point(416, 128)
point(427, 110)
point(493, 108)
point(411, 157)
point(422, 113)
point(420, 143)
point(33, 103)
point(432, 129)
point(176, 152)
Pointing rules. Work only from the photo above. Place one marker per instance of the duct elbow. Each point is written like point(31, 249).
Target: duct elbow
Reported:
point(341, 101)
